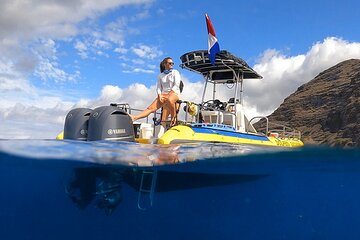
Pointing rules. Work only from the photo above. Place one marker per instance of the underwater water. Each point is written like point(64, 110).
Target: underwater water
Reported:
point(112, 190)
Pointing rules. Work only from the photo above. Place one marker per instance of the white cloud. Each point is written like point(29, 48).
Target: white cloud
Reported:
point(141, 70)
point(26, 19)
point(140, 16)
point(95, 47)
point(49, 70)
point(115, 31)
point(28, 121)
point(121, 50)
point(138, 61)
point(23, 25)
point(284, 74)
point(102, 44)
point(137, 95)
point(13, 86)
point(131, 68)
point(98, 40)
point(23, 130)
point(148, 52)
point(82, 49)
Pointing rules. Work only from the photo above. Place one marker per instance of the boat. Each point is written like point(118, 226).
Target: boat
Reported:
point(211, 120)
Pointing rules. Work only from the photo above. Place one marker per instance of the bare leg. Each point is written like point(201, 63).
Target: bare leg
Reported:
point(171, 106)
point(155, 105)
point(143, 114)
point(164, 115)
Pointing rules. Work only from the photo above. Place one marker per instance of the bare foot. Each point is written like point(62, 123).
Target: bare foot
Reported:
point(173, 122)
point(132, 118)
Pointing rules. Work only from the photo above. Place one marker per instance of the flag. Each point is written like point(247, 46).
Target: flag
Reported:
point(213, 45)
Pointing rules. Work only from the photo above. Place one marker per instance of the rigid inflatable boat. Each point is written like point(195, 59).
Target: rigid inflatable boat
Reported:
point(211, 120)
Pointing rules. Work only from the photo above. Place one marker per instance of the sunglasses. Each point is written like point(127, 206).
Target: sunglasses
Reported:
point(171, 63)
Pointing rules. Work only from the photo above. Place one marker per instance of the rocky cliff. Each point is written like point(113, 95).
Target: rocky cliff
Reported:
point(326, 109)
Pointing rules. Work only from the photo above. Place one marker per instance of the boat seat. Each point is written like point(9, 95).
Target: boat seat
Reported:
point(212, 116)
point(219, 117)
point(229, 119)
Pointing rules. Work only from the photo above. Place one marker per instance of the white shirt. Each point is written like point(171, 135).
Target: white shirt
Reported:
point(168, 82)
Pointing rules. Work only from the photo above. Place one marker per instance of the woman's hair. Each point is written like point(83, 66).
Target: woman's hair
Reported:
point(162, 64)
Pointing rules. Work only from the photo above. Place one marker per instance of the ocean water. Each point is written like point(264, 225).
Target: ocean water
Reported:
point(111, 190)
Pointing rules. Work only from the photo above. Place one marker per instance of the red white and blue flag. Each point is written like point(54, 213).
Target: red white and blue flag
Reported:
point(213, 45)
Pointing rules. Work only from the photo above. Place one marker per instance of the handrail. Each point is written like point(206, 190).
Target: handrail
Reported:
point(284, 132)
point(260, 117)
point(126, 107)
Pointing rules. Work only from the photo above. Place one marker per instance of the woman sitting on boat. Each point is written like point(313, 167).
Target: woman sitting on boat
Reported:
point(168, 90)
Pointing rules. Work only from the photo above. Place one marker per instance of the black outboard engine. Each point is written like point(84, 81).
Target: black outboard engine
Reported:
point(76, 124)
point(110, 123)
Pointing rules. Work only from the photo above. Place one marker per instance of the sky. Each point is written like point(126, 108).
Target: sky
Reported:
point(56, 55)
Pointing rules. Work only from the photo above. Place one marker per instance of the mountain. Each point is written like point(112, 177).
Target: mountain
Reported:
point(326, 109)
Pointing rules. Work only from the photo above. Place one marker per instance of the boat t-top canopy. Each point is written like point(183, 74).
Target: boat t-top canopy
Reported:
point(227, 68)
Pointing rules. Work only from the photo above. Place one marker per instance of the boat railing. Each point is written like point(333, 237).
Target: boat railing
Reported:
point(127, 108)
point(260, 118)
point(282, 131)
point(278, 130)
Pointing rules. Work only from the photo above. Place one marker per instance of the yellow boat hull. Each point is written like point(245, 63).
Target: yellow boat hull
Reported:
point(185, 134)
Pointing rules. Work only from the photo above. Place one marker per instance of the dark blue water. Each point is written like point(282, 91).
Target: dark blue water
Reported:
point(75, 190)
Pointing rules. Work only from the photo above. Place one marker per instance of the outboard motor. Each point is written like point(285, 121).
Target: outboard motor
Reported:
point(76, 124)
point(110, 123)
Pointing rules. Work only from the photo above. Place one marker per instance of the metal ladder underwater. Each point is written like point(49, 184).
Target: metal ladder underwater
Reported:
point(149, 190)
